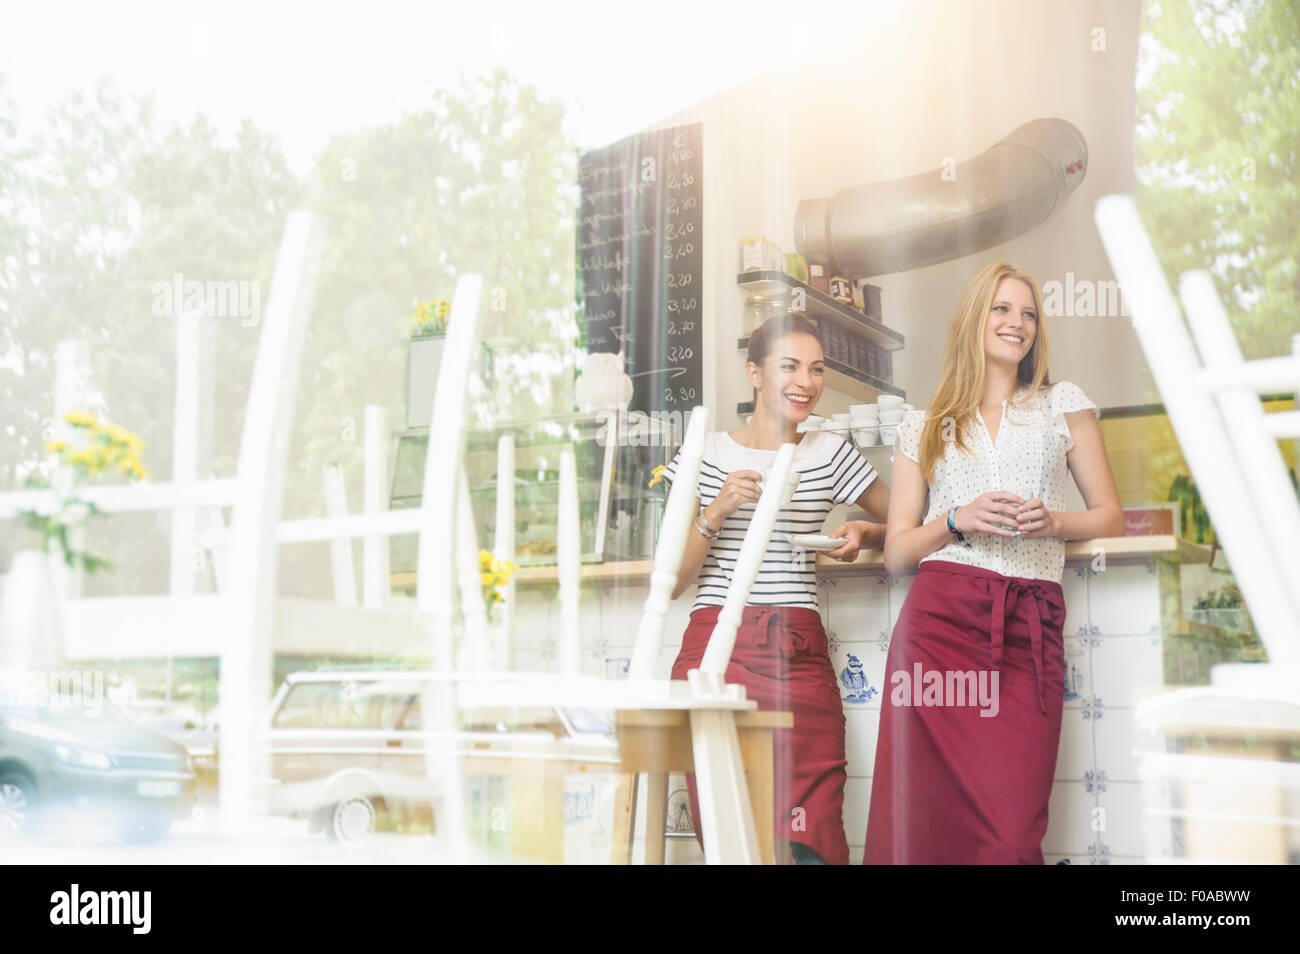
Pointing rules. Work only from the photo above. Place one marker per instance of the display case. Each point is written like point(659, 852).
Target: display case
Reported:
point(616, 456)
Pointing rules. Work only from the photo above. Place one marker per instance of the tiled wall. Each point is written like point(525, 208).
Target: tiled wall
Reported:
point(1114, 654)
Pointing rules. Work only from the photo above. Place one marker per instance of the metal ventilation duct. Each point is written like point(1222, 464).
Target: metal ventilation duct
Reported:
point(941, 215)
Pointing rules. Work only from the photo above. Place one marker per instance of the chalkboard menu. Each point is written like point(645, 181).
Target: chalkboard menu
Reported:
point(640, 257)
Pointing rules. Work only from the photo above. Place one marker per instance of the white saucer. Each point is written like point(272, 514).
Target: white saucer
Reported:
point(814, 541)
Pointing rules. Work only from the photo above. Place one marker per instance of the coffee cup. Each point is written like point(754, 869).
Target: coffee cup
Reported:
point(868, 436)
point(892, 417)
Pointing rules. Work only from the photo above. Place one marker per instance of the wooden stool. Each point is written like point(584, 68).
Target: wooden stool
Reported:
point(657, 742)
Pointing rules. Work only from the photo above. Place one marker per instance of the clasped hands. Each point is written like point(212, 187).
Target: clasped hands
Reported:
point(1007, 515)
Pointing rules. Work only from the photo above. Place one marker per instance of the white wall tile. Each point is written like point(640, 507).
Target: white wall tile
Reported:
point(1074, 758)
point(856, 607)
point(1074, 587)
point(1114, 733)
point(857, 802)
point(532, 612)
point(1124, 601)
point(1069, 815)
point(1125, 668)
point(898, 595)
point(532, 660)
point(1123, 833)
point(621, 616)
point(862, 727)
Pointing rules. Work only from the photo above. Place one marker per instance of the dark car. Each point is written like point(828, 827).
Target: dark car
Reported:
point(88, 763)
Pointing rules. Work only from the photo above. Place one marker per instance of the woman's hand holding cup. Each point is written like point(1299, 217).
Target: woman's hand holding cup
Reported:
point(741, 487)
point(993, 512)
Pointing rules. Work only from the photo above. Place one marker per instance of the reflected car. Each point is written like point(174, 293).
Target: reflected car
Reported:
point(351, 753)
point(78, 762)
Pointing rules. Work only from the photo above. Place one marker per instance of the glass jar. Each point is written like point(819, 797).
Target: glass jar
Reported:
point(758, 309)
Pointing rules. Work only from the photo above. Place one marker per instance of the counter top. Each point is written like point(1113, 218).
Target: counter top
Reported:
point(1118, 550)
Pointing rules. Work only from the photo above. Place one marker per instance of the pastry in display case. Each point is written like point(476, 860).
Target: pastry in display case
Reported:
point(616, 455)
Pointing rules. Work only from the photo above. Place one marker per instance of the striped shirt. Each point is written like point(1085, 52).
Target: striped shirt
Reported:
point(831, 471)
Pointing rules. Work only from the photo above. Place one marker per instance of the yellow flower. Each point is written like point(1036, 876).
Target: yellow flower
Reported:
point(56, 447)
point(81, 419)
point(658, 475)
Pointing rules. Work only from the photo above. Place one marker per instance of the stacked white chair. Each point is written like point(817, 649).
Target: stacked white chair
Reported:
point(727, 817)
point(1230, 804)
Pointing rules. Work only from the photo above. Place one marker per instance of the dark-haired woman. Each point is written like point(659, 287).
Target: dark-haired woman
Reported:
point(970, 718)
point(781, 653)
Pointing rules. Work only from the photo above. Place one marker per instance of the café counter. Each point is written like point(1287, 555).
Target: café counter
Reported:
point(1125, 637)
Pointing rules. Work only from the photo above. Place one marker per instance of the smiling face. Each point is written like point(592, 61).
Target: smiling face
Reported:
point(789, 382)
point(1012, 323)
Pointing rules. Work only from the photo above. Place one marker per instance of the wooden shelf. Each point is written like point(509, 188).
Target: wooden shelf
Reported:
point(637, 571)
point(821, 306)
point(1119, 550)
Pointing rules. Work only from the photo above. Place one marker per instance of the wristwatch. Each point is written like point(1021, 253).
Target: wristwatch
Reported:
point(952, 526)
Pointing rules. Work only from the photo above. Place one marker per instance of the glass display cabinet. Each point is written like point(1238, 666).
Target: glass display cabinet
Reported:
point(616, 458)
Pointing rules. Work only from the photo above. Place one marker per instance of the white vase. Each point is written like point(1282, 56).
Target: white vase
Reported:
point(30, 630)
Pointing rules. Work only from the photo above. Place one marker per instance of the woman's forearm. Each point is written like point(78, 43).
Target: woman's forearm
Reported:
point(1105, 521)
point(873, 534)
point(905, 548)
point(697, 548)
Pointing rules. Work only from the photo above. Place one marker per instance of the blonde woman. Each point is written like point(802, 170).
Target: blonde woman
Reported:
point(971, 718)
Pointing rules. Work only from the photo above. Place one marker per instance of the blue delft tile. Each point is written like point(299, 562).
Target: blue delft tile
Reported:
point(833, 642)
point(1099, 854)
point(548, 648)
point(1073, 672)
point(1094, 781)
point(1092, 708)
point(858, 690)
point(1088, 629)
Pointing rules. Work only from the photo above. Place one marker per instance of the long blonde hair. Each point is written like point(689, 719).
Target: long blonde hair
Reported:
point(961, 384)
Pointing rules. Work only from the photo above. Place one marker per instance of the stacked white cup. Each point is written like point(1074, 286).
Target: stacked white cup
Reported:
point(866, 424)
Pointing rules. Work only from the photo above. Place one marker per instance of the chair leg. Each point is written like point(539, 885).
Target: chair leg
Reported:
point(726, 818)
point(756, 749)
point(656, 817)
point(624, 827)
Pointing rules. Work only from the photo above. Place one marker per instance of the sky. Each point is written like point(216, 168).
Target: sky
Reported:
point(304, 71)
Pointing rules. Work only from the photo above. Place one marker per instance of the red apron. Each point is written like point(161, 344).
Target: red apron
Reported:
point(953, 786)
point(781, 659)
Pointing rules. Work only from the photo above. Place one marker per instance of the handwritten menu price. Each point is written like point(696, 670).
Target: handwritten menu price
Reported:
point(640, 261)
